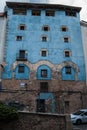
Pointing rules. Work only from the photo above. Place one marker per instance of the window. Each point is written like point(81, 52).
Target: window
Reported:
point(44, 86)
point(44, 73)
point(66, 39)
point(22, 54)
point(19, 38)
point(44, 39)
point(64, 29)
point(20, 11)
point(68, 70)
point(21, 69)
point(36, 12)
point(50, 13)
point(67, 53)
point(43, 53)
point(45, 28)
point(70, 13)
point(22, 27)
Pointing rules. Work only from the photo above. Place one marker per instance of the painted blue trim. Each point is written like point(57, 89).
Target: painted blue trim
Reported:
point(44, 67)
point(47, 96)
point(24, 75)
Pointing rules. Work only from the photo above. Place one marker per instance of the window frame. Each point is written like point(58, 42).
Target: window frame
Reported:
point(44, 73)
point(68, 70)
point(21, 69)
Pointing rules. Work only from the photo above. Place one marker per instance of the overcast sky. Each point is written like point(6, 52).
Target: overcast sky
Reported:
point(80, 3)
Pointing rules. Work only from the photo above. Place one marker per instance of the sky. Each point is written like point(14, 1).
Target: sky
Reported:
point(78, 3)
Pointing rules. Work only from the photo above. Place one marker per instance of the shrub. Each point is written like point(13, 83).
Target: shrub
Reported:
point(7, 114)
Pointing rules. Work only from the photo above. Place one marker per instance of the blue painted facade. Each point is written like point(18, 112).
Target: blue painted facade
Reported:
point(32, 44)
point(53, 39)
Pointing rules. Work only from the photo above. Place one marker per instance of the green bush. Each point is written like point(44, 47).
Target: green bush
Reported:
point(7, 114)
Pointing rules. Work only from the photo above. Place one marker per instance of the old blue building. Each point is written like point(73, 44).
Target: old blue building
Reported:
point(43, 46)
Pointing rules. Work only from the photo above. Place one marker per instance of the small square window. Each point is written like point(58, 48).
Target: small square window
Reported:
point(44, 53)
point(64, 29)
point(45, 28)
point(36, 12)
point(66, 39)
point(21, 69)
point(44, 86)
point(67, 53)
point(22, 27)
point(44, 73)
point(68, 70)
point(44, 39)
point(19, 38)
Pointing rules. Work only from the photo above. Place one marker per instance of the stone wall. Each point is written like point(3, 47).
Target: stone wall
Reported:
point(39, 121)
point(69, 96)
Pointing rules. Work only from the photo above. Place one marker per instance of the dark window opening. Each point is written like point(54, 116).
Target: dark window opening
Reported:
point(68, 70)
point(21, 69)
point(50, 13)
point(44, 39)
point(67, 53)
point(36, 12)
point(44, 53)
point(19, 38)
point(44, 73)
point(40, 105)
point(70, 13)
point(64, 29)
point(66, 39)
point(43, 86)
point(22, 54)
point(20, 11)
point(45, 28)
point(22, 27)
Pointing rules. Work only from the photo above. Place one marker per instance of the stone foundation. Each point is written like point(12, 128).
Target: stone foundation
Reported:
point(69, 96)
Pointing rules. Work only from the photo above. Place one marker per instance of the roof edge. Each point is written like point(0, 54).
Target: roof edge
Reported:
point(42, 6)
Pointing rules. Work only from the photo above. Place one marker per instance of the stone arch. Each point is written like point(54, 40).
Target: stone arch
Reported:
point(22, 71)
point(69, 63)
point(44, 62)
point(43, 68)
point(16, 63)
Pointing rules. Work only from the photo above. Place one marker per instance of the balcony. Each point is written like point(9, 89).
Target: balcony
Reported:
point(21, 57)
